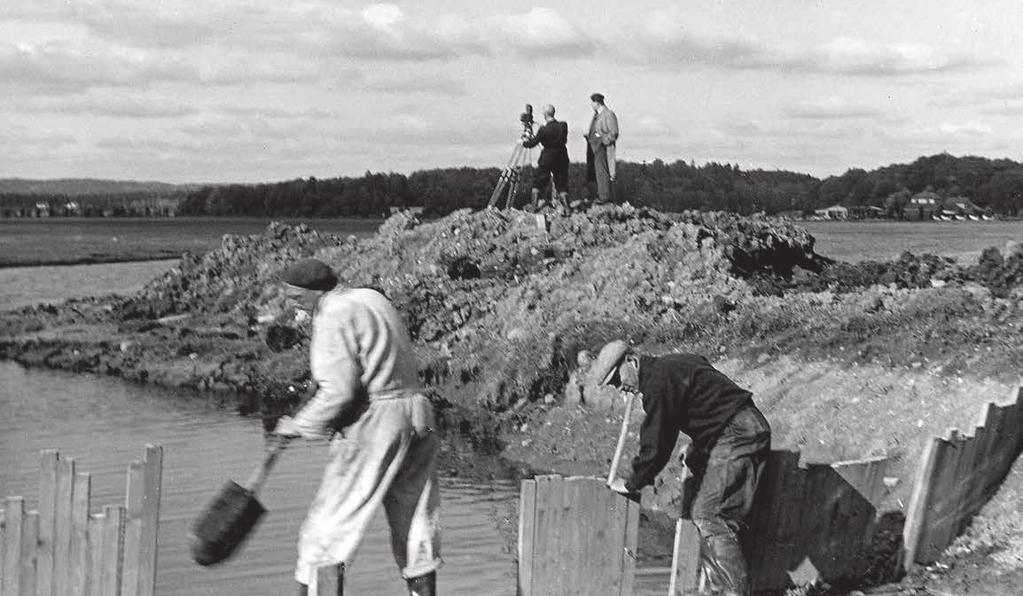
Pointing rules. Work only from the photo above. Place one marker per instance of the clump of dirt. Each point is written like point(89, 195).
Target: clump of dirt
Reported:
point(500, 303)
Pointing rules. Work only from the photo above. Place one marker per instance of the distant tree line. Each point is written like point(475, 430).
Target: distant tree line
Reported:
point(993, 184)
point(116, 204)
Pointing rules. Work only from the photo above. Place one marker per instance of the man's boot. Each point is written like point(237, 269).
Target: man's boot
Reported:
point(536, 199)
point(424, 585)
point(563, 199)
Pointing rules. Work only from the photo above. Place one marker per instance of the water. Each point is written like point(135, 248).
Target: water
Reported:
point(22, 286)
point(104, 423)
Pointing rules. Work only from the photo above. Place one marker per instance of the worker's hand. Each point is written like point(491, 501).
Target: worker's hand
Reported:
point(286, 428)
point(618, 485)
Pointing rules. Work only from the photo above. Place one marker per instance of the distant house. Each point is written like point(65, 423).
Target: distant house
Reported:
point(865, 212)
point(833, 212)
point(416, 210)
point(962, 207)
point(924, 205)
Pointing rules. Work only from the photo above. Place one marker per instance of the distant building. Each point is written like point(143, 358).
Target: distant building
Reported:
point(865, 212)
point(923, 205)
point(833, 212)
point(417, 210)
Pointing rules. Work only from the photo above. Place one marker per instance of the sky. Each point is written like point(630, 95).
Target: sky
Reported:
point(224, 91)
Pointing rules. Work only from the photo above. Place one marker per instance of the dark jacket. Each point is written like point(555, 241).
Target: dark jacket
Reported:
point(553, 136)
point(681, 393)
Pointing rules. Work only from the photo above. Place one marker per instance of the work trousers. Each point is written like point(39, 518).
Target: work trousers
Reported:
point(726, 477)
point(599, 170)
point(386, 456)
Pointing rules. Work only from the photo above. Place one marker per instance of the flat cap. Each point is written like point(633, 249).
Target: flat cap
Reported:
point(597, 97)
point(311, 274)
point(607, 361)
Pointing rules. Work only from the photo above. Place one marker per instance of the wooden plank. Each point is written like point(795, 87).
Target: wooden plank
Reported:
point(78, 572)
point(29, 569)
point(685, 558)
point(152, 473)
point(916, 511)
point(573, 557)
point(48, 460)
point(330, 581)
point(14, 514)
point(132, 529)
point(64, 525)
point(95, 550)
point(775, 520)
point(613, 549)
point(542, 545)
point(111, 550)
point(527, 521)
point(630, 550)
point(3, 546)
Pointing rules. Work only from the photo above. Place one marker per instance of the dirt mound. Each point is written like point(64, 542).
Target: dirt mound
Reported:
point(500, 303)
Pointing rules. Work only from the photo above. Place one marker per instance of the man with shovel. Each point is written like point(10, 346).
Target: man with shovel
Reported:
point(683, 393)
point(383, 446)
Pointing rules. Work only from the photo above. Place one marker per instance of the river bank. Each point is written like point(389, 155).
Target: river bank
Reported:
point(499, 309)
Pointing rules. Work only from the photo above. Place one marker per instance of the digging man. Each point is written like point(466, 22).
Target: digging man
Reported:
point(683, 393)
point(383, 448)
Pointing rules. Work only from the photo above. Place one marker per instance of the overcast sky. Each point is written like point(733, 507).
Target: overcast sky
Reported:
point(268, 90)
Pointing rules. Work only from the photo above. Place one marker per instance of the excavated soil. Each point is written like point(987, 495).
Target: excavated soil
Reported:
point(847, 361)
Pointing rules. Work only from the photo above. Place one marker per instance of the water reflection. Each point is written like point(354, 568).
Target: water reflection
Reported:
point(104, 423)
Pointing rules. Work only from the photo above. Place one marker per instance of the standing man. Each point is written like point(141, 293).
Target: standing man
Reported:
point(383, 447)
point(730, 441)
point(553, 135)
point(601, 147)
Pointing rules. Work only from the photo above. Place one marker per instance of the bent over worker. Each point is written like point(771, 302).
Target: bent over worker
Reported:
point(683, 393)
point(553, 161)
point(383, 448)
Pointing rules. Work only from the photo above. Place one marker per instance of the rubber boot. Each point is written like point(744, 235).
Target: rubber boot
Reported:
point(536, 199)
point(424, 585)
point(724, 566)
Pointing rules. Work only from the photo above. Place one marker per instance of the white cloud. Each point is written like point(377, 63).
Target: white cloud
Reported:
point(830, 108)
point(543, 32)
point(383, 16)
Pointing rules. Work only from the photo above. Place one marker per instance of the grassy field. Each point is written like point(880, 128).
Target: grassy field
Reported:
point(80, 240)
point(886, 240)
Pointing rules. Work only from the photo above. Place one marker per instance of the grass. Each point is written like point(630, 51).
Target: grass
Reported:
point(53, 241)
point(885, 240)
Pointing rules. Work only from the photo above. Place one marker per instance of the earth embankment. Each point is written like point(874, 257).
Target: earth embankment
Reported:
point(847, 361)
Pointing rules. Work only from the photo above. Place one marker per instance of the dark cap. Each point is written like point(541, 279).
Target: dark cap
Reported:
point(597, 97)
point(311, 274)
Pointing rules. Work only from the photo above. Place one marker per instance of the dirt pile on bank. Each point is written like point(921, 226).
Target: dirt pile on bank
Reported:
point(499, 305)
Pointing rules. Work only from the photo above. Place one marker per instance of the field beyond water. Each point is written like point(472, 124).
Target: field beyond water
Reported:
point(848, 360)
point(75, 240)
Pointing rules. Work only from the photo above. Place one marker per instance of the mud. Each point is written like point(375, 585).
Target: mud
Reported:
point(500, 304)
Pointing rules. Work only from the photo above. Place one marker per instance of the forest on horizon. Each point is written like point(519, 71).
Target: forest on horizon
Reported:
point(992, 184)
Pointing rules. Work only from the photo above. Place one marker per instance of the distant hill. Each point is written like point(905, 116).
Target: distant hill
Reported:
point(78, 187)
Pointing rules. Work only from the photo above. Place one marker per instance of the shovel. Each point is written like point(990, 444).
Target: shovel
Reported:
point(232, 514)
point(613, 472)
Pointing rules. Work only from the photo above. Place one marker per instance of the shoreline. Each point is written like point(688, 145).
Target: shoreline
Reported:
point(87, 261)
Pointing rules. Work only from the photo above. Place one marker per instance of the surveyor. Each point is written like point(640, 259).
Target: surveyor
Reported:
point(383, 443)
point(553, 161)
point(601, 147)
point(730, 439)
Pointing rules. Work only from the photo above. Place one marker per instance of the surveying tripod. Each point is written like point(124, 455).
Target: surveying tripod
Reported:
point(512, 173)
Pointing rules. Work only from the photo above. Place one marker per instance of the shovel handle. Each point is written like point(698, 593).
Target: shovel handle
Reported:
point(613, 472)
point(269, 459)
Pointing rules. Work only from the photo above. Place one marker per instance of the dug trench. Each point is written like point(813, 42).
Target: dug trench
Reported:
point(846, 360)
